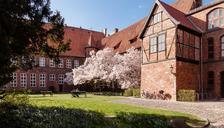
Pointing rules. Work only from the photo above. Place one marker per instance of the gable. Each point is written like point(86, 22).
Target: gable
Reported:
point(177, 17)
point(151, 26)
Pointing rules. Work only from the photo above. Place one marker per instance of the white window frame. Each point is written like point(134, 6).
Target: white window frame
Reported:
point(216, 18)
point(153, 45)
point(157, 18)
point(52, 63)
point(23, 80)
point(52, 77)
point(14, 80)
point(161, 42)
point(42, 80)
point(42, 61)
point(61, 78)
point(61, 63)
point(68, 63)
point(76, 63)
point(33, 79)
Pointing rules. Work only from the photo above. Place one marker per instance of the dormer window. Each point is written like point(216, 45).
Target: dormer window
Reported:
point(216, 18)
point(133, 40)
point(117, 46)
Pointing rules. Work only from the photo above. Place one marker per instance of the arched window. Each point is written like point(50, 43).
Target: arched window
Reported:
point(211, 81)
point(210, 48)
point(222, 46)
point(216, 18)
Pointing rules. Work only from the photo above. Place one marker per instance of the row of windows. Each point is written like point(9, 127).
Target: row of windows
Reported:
point(68, 64)
point(158, 43)
point(211, 47)
point(33, 79)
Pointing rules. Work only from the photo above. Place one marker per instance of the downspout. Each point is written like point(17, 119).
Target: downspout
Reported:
point(201, 87)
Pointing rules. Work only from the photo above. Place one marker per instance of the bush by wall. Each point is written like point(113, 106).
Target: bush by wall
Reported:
point(186, 95)
point(132, 92)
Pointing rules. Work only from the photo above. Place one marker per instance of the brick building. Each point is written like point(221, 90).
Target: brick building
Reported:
point(47, 75)
point(183, 48)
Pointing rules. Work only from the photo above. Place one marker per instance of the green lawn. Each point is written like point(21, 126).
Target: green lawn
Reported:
point(101, 104)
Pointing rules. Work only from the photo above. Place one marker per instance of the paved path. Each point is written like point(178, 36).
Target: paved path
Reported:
point(214, 111)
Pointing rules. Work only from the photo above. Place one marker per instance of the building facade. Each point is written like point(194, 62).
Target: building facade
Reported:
point(183, 49)
point(46, 74)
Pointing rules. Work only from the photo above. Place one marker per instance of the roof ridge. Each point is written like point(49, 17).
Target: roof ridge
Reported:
point(85, 29)
point(136, 23)
point(213, 3)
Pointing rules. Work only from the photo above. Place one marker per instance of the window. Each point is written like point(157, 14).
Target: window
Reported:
point(14, 80)
point(52, 77)
point(61, 79)
point(61, 63)
point(210, 48)
point(222, 46)
point(68, 63)
point(23, 79)
point(153, 45)
point(157, 18)
point(132, 41)
point(76, 63)
point(210, 80)
point(117, 46)
point(42, 80)
point(161, 42)
point(158, 44)
point(216, 18)
point(33, 80)
point(51, 63)
point(42, 62)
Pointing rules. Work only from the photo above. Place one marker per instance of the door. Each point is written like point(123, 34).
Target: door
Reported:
point(222, 84)
point(60, 88)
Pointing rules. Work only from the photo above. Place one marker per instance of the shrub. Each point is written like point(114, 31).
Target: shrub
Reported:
point(186, 95)
point(132, 92)
point(24, 116)
point(15, 98)
point(136, 92)
point(132, 120)
point(128, 92)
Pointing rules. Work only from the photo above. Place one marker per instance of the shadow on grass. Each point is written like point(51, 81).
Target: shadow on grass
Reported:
point(25, 116)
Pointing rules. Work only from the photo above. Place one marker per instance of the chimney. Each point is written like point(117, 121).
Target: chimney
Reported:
point(115, 31)
point(104, 31)
point(197, 3)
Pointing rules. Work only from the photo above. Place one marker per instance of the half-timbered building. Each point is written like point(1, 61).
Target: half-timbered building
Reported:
point(182, 48)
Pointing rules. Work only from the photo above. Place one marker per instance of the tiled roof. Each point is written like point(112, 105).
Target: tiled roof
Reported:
point(179, 16)
point(183, 5)
point(80, 39)
point(126, 38)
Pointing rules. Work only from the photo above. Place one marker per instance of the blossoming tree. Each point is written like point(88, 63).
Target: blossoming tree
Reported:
point(108, 66)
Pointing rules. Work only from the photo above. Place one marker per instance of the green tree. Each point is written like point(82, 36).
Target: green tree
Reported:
point(25, 28)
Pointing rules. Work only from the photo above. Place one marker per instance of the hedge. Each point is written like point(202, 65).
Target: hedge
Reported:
point(186, 95)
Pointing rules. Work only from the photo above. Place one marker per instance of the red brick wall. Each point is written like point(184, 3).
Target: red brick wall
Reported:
point(187, 75)
point(46, 70)
point(158, 76)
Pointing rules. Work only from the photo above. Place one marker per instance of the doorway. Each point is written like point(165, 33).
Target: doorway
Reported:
point(60, 88)
point(222, 84)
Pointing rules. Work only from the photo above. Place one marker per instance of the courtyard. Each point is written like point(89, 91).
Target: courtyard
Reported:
point(110, 106)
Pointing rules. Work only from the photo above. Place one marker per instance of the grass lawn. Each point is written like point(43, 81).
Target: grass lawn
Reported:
point(102, 104)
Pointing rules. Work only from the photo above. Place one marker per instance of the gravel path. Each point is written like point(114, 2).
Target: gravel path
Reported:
point(213, 111)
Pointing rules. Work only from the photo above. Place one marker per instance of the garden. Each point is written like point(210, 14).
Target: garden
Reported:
point(65, 111)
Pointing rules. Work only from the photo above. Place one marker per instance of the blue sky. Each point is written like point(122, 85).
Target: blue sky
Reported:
point(99, 14)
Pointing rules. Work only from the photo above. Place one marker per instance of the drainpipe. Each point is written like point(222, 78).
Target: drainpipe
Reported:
point(201, 87)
